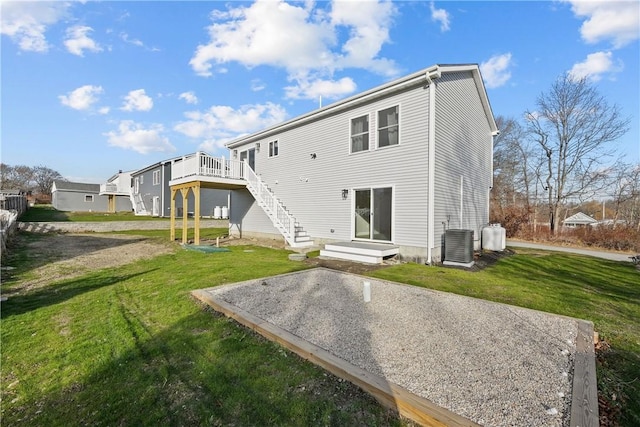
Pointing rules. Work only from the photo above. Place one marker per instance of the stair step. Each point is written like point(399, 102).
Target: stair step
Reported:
point(351, 257)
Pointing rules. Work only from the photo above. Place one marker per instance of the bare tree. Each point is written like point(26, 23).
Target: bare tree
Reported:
point(15, 177)
point(573, 126)
point(38, 179)
point(43, 178)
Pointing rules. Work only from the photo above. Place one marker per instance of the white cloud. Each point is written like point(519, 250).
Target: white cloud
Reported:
point(77, 40)
point(82, 98)
point(329, 89)
point(441, 16)
point(134, 136)
point(222, 123)
point(257, 85)
point(618, 21)
point(299, 38)
point(595, 66)
point(26, 22)
point(136, 42)
point(189, 97)
point(137, 100)
point(495, 71)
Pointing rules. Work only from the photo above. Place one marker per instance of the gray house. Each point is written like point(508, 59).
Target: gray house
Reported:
point(79, 197)
point(388, 171)
point(151, 193)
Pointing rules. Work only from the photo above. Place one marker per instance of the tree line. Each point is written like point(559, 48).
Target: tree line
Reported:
point(34, 179)
point(561, 155)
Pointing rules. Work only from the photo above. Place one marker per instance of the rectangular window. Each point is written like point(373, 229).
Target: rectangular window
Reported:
point(88, 198)
point(360, 134)
point(273, 148)
point(388, 126)
point(136, 185)
point(156, 177)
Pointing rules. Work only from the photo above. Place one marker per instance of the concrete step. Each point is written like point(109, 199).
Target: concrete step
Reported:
point(369, 259)
point(363, 248)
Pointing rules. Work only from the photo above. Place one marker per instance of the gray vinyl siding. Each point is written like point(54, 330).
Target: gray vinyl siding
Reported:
point(312, 188)
point(209, 199)
point(463, 148)
point(245, 211)
point(74, 201)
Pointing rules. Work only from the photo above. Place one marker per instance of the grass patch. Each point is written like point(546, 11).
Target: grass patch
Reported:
point(207, 234)
point(47, 213)
point(131, 347)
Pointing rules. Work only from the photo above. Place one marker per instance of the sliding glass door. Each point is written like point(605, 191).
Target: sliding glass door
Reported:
point(373, 214)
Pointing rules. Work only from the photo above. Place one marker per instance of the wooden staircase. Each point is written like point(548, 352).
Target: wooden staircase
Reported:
point(291, 230)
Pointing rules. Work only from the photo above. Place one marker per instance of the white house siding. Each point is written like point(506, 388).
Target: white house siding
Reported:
point(312, 188)
point(463, 149)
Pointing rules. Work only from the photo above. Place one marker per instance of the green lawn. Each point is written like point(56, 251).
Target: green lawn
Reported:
point(46, 213)
point(131, 347)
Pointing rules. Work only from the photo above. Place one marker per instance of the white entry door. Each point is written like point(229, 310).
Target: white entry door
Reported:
point(156, 206)
point(373, 214)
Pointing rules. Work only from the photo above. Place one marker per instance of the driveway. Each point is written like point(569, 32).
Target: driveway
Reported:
point(613, 256)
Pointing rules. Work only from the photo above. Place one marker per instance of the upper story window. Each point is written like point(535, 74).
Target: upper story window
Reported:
point(388, 126)
point(273, 148)
point(360, 134)
point(156, 177)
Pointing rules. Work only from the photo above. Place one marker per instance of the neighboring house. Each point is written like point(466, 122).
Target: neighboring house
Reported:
point(76, 196)
point(151, 194)
point(579, 220)
point(390, 169)
point(118, 192)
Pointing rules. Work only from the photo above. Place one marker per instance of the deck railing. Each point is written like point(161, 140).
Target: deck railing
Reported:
point(203, 164)
point(279, 215)
point(111, 188)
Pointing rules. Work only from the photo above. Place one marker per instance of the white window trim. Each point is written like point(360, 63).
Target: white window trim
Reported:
point(378, 147)
point(352, 192)
point(88, 198)
point(369, 148)
point(156, 174)
point(270, 148)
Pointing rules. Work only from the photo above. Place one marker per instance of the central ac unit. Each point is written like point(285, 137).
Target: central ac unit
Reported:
point(458, 247)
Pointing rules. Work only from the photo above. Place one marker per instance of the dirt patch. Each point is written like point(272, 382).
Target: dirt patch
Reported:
point(59, 257)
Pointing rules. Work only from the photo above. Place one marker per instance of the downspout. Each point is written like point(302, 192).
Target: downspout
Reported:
point(431, 143)
point(162, 166)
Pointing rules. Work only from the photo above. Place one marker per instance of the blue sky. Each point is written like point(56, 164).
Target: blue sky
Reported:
point(89, 88)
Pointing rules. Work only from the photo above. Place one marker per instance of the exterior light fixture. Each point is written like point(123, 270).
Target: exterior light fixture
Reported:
point(313, 155)
point(257, 146)
point(345, 193)
point(235, 154)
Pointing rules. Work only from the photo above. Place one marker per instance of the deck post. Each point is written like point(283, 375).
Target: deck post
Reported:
point(172, 235)
point(185, 214)
point(196, 213)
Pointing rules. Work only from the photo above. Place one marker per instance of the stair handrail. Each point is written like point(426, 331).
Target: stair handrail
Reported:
point(275, 209)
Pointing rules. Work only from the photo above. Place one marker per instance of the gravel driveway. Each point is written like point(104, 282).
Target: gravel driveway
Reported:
point(494, 364)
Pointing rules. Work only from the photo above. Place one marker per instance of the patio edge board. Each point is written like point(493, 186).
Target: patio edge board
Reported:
point(584, 395)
